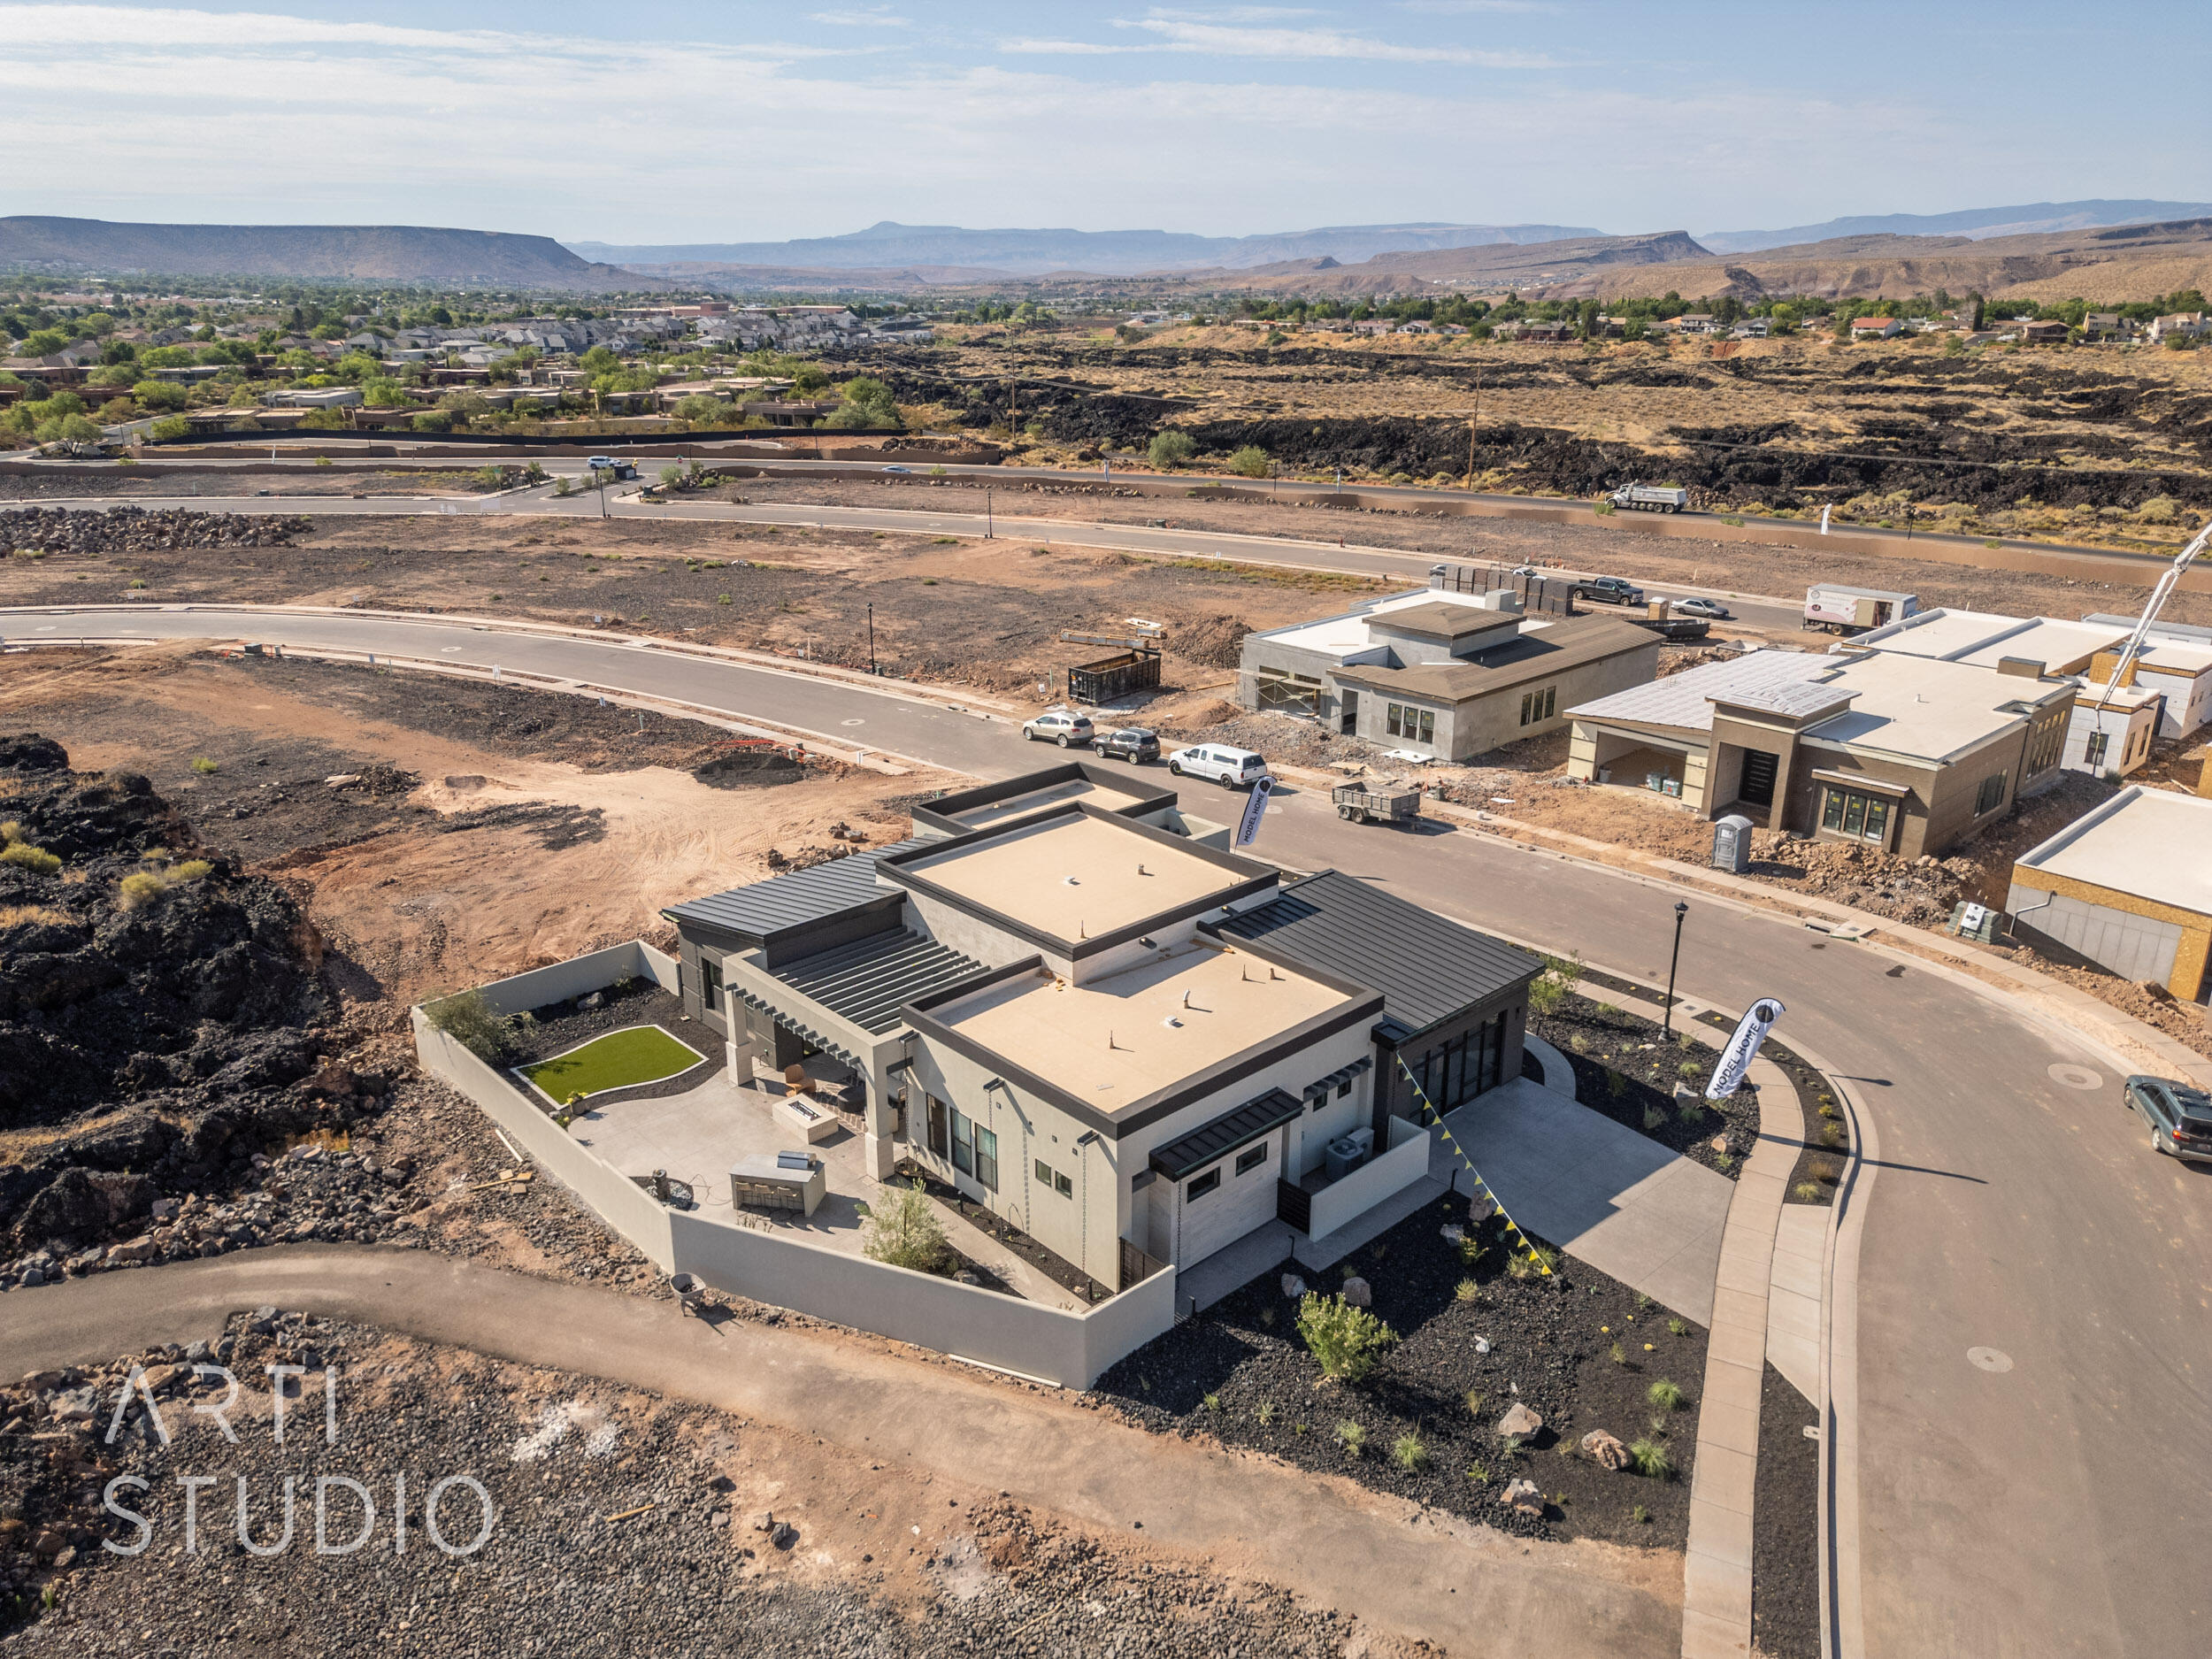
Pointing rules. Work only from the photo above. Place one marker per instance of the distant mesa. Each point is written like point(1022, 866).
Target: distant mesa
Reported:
point(381, 253)
point(1978, 224)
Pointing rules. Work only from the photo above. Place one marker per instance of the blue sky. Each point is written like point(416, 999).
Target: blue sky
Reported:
point(741, 121)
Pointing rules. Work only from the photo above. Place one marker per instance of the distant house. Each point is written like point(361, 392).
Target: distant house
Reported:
point(1752, 328)
point(2190, 325)
point(1417, 326)
point(1374, 325)
point(1875, 329)
point(2106, 325)
point(2044, 332)
point(1694, 323)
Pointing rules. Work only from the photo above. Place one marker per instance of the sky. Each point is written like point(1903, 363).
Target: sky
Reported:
point(641, 122)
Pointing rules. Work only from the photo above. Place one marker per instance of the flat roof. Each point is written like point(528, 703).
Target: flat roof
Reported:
point(1344, 635)
point(1428, 967)
point(1982, 638)
point(1445, 620)
point(2154, 844)
point(1076, 875)
point(1120, 1039)
point(1102, 792)
point(1902, 704)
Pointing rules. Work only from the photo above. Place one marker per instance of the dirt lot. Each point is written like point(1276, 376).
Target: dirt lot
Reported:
point(1785, 572)
point(491, 829)
point(234, 479)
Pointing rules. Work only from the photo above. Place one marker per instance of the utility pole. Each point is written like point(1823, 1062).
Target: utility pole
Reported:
point(872, 641)
point(1474, 420)
point(1666, 1026)
point(990, 527)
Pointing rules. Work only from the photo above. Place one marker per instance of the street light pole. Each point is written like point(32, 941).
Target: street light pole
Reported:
point(989, 523)
point(1666, 1026)
point(871, 641)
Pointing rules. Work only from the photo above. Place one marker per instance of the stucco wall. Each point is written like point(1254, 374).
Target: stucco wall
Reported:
point(579, 975)
point(1345, 1200)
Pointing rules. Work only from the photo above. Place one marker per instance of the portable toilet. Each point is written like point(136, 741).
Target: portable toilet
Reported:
point(1731, 843)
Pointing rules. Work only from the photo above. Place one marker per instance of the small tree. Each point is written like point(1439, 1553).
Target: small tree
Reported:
point(1250, 462)
point(903, 1231)
point(1550, 990)
point(1171, 448)
point(1348, 1341)
point(468, 1020)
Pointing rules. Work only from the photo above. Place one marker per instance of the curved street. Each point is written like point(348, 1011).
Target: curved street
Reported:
point(2042, 1507)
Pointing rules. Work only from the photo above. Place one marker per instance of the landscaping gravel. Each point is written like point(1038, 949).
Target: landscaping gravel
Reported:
point(622, 1525)
point(1624, 1070)
point(1786, 1543)
point(1240, 1373)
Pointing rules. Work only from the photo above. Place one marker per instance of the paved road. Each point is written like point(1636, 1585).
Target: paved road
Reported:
point(1412, 568)
point(2042, 1509)
point(1377, 1558)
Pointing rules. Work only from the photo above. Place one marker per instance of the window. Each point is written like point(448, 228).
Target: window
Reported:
point(1203, 1185)
point(1861, 816)
point(2094, 758)
point(1063, 1186)
point(940, 1142)
point(1404, 721)
point(1251, 1158)
point(1539, 706)
point(2047, 743)
point(1992, 795)
point(986, 1157)
point(1044, 1172)
point(962, 1143)
point(1344, 1088)
point(710, 984)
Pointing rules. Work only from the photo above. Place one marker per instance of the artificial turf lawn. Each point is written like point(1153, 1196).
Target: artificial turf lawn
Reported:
point(644, 1054)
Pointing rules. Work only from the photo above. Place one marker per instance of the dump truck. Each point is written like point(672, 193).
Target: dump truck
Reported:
point(1365, 803)
point(1832, 609)
point(1649, 498)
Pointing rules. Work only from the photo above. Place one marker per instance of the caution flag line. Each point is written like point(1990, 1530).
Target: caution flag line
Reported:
point(1481, 1186)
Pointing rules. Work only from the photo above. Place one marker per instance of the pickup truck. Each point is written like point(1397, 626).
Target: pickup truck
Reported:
point(1649, 498)
point(1614, 590)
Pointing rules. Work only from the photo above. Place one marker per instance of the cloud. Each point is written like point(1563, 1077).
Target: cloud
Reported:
point(1172, 33)
point(871, 18)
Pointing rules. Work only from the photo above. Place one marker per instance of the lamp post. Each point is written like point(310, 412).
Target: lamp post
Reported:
point(872, 641)
point(1666, 1025)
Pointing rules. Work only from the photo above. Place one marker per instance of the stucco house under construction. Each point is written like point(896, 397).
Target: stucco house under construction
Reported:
point(1067, 1001)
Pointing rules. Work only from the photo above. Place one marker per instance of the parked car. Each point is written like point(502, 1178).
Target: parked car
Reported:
point(1712, 607)
point(1231, 768)
point(2179, 1114)
point(1614, 590)
point(1131, 744)
point(1063, 726)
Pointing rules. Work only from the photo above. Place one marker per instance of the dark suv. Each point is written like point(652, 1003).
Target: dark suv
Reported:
point(1131, 744)
point(2180, 1117)
point(1614, 590)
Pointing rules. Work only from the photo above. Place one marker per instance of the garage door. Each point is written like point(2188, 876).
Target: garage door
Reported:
point(1220, 1206)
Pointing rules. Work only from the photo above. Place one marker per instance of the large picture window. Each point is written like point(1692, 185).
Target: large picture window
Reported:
point(1462, 1067)
point(1991, 796)
point(962, 1143)
point(1539, 706)
point(1861, 816)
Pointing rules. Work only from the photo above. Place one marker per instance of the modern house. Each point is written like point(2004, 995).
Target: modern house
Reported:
point(1904, 753)
point(1440, 673)
point(1137, 1046)
point(2167, 691)
point(2128, 886)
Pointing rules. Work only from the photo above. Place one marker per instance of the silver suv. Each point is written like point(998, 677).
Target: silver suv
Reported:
point(1063, 726)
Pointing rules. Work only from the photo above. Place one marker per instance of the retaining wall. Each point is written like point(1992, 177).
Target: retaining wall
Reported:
point(757, 1261)
point(1341, 1202)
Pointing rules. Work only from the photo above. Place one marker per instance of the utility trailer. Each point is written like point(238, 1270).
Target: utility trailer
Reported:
point(1649, 498)
point(1831, 607)
point(1363, 802)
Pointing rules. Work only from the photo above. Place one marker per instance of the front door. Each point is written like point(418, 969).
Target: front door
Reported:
point(1758, 778)
point(1349, 725)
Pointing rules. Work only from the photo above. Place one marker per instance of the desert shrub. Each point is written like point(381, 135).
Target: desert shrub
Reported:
point(1170, 448)
point(563, 487)
point(2159, 510)
point(1833, 1134)
point(1668, 1396)
point(37, 860)
point(138, 889)
point(1251, 460)
point(1806, 1192)
point(190, 869)
point(1348, 1341)
point(202, 765)
point(1351, 1436)
point(467, 1018)
point(1264, 1412)
point(1651, 1459)
point(1549, 991)
point(903, 1231)
point(1467, 1290)
point(1410, 1451)
point(1679, 1326)
point(1618, 1354)
point(169, 428)
point(1473, 1398)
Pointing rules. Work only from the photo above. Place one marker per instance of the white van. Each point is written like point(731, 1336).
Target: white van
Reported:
point(1231, 768)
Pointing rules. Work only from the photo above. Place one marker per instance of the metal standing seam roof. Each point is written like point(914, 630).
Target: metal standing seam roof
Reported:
point(793, 899)
point(1683, 700)
point(871, 980)
point(1224, 1134)
point(1427, 967)
point(1531, 655)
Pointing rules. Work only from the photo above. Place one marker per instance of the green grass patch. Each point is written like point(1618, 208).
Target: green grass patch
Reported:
point(644, 1054)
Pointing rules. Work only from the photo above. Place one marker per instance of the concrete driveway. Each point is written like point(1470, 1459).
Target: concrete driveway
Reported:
point(1604, 1194)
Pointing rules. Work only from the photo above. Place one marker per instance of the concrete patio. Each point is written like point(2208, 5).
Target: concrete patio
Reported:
point(1603, 1193)
point(697, 1135)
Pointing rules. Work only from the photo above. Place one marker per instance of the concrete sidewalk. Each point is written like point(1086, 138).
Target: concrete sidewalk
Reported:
point(1400, 1569)
point(1603, 1193)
